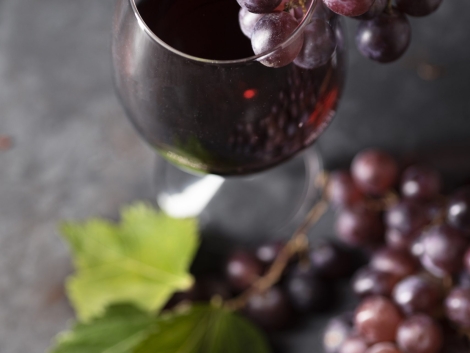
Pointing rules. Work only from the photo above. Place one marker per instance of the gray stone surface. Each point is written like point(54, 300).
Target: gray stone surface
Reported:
point(75, 155)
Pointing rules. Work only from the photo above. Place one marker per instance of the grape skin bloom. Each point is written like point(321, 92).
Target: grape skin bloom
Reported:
point(271, 31)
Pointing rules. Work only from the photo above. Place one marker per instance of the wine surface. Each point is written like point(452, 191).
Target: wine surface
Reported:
point(206, 29)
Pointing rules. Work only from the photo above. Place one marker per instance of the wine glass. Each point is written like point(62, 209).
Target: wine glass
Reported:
point(223, 117)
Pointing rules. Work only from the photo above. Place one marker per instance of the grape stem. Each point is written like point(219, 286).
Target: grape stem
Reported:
point(296, 245)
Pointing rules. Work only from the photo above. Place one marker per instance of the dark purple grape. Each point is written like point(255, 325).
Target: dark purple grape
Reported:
point(376, 9)
point(270, 310)
point(428, 264)
point(359, 226)
point(259, 6)
point(319, 45)
point(384, 347)
point(336, 332)
point(267, 253)
point(418, 294)
point(369, 281)
point(420, 182)
point(306, 291)
point(384, 38)
point(457, 306)
point(407, 216)
point(350, 8)
point(321, 11)
point(374, 172)
point(354, 344)
point(458, 209)
point(418, 8)
point(417, 246)
point(419, 334)
point(377, 319)
point(444, 248)
point(396, 239)
point(466, 260)
point(463, 279)
point(272, 30)
point(398, 262)
point(332, 261)
point(341, 190)
point(247, 21)
point(242, 270)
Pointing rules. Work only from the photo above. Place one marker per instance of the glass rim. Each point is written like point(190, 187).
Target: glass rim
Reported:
point(259, 57)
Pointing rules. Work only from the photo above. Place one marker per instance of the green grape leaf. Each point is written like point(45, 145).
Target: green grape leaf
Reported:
point(204, 329)
point(118, 331)
point(142, 261)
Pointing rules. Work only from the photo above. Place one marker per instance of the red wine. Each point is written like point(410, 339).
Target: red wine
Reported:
point(206, 29)
point(217, 117)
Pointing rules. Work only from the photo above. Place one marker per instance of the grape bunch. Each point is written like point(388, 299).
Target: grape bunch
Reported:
point(415, 291)
point(306, 286)
point(270, 23)
point(383, 34)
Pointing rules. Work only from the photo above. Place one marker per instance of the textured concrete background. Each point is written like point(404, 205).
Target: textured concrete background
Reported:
point(74, 154)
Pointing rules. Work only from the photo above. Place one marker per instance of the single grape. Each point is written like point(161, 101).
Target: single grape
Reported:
point(428, 264)
point(306, 291)
point(466, 260)
point(444, 248)
point(267, 253)
point(272, 30)
point(418, 8)
point(354, 344)
point(384, 38)
point(350, 8)
point(359, 226)
point(418, 294)
point(247, 21)
point(398, 262)
point(463, 279)
point(458, 209)
point(341, 190)
point(242, 270)
point(383, 348)
point(417, 246)
point(270, 310)
point(321, 11)
point(457, 306)
point(420, 182)
point(374, 171)
point(259, 6)
point(319, 45)
point(419, 334)
point(369, 281)
point(332, 261)
point(396, 239)
point(376, 9)
point(336, 332)
point(377, 319)
point(407, 216)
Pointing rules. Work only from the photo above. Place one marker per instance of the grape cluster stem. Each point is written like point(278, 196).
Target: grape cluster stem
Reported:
point(298, 244)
